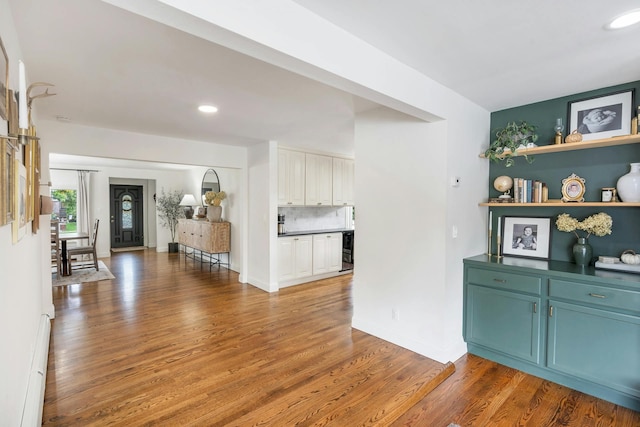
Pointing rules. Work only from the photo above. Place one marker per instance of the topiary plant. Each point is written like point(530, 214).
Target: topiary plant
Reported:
point(509, 139)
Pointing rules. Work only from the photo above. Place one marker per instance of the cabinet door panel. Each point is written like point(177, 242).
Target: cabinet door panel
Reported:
point(596, 345)
point(286, 258)
point(303, 256)
point(504, 321)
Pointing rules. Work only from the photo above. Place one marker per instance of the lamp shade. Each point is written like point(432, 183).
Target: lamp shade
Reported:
point(188, 200)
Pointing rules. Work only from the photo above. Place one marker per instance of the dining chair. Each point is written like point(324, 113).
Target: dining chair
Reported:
point(86, 250)
point(56, 256)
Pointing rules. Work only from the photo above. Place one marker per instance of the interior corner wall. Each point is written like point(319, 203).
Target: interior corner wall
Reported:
point(260, 224)
point(400, 189)
point(22, 296)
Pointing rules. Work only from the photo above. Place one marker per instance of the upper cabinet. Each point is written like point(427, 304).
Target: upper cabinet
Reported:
point(318, 180)
point(306, 179)
point(343, 173)
point(291, 178)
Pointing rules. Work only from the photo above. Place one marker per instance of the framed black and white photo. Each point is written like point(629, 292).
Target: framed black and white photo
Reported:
point(528, 237)
point(602, 116)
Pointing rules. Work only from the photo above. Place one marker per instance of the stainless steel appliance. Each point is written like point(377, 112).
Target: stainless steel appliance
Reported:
point(347, 249)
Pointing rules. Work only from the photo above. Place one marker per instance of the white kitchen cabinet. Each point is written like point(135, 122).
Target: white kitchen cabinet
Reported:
point(295, 257)
point(291, 178)
point(319, 178)
point(327, 253)
point(343, 174)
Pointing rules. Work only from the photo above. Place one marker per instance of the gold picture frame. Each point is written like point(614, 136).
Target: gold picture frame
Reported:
point(4, 83)
point(7, 188)
point(573, 188)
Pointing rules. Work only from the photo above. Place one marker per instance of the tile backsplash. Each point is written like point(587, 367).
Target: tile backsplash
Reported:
point(313, 218)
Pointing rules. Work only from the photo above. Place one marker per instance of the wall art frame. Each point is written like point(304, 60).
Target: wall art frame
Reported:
point(526, 237)
point(602, 116)
point(4, 84)
point(7, 189)
point(19, 226)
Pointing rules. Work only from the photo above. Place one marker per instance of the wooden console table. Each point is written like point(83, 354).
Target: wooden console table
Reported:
point(211, 239)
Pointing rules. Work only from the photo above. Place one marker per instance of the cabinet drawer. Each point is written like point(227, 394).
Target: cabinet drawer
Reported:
point(502, 280)
point(596, 295)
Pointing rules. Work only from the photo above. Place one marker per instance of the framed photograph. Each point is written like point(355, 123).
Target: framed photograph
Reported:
point(4, 83)
point(19, 226)
point(573, 188)
point(528, 237)
point(7, 179)
point(602, 116)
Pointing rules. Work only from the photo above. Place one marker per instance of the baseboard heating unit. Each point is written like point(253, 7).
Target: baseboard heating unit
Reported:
point(34, 401)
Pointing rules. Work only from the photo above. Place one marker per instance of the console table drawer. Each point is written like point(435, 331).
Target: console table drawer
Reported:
point(502, 280)
point(596, 295)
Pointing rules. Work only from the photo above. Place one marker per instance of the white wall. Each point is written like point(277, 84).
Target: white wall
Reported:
point(408, 276)
point(24, 293)
point(262, 210)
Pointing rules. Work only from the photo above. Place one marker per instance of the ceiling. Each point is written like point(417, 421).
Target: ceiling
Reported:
point(115, 69)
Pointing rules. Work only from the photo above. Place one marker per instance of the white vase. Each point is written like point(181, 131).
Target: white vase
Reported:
point(214, 213)
point(629, 185)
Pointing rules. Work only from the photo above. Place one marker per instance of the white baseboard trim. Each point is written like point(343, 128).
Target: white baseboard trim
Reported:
point(34, 400)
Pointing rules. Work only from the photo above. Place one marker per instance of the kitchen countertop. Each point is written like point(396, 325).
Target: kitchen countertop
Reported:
point(305, 232)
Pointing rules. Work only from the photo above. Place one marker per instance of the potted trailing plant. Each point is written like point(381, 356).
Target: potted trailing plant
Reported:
point(169, 211)
point(509, 139)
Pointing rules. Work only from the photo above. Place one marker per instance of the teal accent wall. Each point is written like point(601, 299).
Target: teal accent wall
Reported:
point(600, 167)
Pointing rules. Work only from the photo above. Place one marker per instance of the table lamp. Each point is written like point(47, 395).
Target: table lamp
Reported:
point(188, 201)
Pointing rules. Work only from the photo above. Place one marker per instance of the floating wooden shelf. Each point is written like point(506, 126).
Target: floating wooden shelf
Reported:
point(595, 143)
point(565, 204)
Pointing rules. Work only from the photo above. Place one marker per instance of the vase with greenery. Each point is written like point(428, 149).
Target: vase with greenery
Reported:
point(509, 140)
point(170, 211)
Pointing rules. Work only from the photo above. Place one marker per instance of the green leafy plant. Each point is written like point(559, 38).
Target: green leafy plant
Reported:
point(170, 211)
point(509, 139)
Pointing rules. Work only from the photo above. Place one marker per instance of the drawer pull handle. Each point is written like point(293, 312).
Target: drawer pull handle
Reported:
point(500, 280)
point(596, 295)
point(535, 307)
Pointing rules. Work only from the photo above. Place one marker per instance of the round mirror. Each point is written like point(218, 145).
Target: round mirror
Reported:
point(210, 182)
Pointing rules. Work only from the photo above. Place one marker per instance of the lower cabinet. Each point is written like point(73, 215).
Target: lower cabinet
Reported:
point(504, 321)
point(295, 257)
point(308, 256)
point(327, 253)
point(578, 328)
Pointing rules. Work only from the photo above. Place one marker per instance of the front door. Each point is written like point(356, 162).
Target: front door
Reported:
point(126, 216)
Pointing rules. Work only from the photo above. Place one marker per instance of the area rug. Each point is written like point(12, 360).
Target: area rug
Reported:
point(84, 275)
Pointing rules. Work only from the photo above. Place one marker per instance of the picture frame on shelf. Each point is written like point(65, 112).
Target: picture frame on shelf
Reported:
point(573, 188)
point(526, 237)
point(602, 116)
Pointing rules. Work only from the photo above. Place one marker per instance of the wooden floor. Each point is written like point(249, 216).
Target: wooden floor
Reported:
point(169, 343)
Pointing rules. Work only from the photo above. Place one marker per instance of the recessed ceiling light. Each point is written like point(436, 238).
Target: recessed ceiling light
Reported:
point(626, 19)
point(208, 109)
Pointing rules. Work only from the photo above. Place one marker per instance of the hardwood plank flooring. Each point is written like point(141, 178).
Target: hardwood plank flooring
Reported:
point(170, 343)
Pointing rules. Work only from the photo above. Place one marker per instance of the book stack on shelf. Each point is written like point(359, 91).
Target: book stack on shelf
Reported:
point(529, 191)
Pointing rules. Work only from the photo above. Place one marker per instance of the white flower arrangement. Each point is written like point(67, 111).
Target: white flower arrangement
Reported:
point(599, 224)
point(214, 198)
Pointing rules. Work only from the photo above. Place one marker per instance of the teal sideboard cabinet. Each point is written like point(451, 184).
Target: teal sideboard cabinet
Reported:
point(579, 327)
